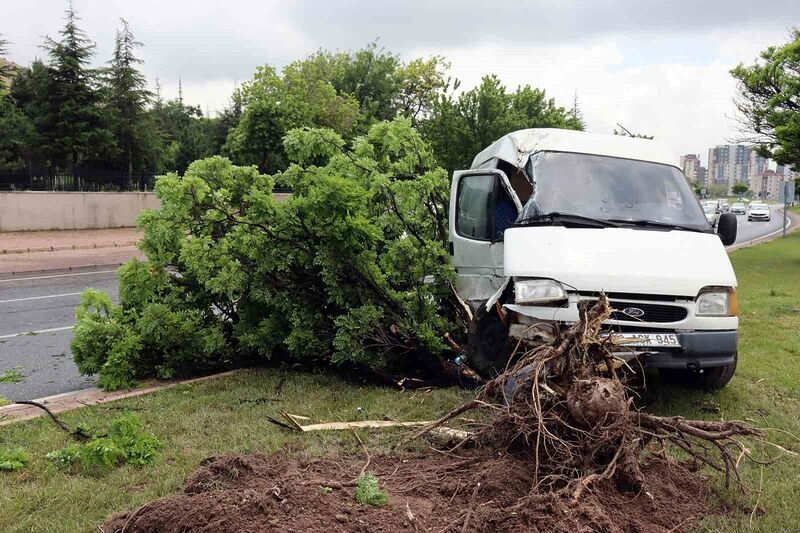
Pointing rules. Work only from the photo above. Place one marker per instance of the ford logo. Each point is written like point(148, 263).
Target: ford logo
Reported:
point(633, 312)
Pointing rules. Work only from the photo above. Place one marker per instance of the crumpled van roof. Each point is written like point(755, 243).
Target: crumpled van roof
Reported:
point(517, 147)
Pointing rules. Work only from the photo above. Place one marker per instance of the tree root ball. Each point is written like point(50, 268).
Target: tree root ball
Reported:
point(597, 401)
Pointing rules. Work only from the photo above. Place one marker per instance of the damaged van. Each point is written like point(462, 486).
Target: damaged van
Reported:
point(546, 218)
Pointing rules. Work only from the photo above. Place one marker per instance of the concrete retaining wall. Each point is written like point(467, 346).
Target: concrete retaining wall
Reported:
point(23, 211)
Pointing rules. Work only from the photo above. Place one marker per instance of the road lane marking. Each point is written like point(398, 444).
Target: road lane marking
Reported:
point(59, 276)
point(36, 332)
point(40, 297)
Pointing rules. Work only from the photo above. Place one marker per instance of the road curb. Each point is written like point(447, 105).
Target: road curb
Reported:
point(93, 246)
point(70, 401)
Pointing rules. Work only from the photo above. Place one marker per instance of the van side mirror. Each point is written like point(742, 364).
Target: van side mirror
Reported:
point(726, 228)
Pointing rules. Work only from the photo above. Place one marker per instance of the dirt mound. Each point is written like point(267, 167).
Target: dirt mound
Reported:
point(432, 492)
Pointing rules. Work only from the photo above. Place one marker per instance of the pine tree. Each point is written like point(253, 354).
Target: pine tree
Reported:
point(5, 69)
point(128, 98)
point(74, 126)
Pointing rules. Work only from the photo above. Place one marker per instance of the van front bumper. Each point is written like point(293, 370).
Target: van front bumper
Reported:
point(705, 342)
point(699, 349)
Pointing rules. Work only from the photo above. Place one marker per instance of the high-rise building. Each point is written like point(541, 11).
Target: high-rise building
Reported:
point(757, 164)
point(718, 160)
point(729, 164)
point(702, 175)
point(690, 163)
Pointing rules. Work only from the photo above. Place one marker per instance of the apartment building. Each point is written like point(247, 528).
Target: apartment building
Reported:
point(729, 164)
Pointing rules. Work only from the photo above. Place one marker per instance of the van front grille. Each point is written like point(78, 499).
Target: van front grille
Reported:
point(641, 312)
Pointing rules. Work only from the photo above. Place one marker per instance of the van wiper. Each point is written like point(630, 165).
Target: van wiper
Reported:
point(656, 224)
point(569, 218)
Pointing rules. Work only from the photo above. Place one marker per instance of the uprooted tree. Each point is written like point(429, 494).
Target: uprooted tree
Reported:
point(350, 269)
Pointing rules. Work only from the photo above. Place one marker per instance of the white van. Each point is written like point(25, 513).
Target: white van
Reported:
point(546, 218)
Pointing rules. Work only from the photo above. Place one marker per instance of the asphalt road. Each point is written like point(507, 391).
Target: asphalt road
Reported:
point(37, 312)
point(748, 231)
point(37, 315)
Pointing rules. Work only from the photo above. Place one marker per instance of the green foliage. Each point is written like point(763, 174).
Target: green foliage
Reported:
point(125, 443)
point(127, 99)
point(461, 127)
point(768, 92)
point(368, 492)
point(333, 274)
point(740, 188)
point(16, 131)
point(73, 125)
point(4, 401)
point(346, 92)
point(13, 459)
point(12, 375)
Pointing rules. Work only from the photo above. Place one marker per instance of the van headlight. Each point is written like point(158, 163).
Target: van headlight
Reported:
point(538, 291)
point(717, 302)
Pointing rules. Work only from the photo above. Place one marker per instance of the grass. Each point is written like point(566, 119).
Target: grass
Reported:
point(193, 422)
point(12, 375)
point(229, 415)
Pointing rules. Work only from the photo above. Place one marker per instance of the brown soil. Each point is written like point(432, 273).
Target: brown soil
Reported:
point(284, 493)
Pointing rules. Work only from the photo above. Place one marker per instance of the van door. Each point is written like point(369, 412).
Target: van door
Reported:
point(482, 204)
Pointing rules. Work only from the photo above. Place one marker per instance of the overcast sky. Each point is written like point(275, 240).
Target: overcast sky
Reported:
point(656, 66)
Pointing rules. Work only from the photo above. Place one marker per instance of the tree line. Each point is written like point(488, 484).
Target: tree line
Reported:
point(62, 114)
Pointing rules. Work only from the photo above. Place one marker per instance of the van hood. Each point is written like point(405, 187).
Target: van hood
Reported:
point(676, 263)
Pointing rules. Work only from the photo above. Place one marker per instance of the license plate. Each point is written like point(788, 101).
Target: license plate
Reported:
point(664, 340)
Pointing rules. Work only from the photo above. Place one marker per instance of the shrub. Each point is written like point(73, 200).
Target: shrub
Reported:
point(125, 443)
point(332, 275)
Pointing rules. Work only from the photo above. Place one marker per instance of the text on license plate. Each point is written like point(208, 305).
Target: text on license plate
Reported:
point(669, 340)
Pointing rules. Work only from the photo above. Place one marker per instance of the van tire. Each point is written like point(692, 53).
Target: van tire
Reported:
point(713, 378)
point(487, 343)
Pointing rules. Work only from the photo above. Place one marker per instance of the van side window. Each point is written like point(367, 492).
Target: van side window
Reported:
point(474, 209)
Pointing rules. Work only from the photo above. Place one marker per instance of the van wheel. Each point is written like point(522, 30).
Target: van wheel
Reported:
point(713, 378)
point(487, 343)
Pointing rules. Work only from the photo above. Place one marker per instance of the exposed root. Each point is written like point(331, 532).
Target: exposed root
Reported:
point(564, 405)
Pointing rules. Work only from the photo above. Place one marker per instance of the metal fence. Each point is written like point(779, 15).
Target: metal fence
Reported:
point(84, 180)
point(91, 180)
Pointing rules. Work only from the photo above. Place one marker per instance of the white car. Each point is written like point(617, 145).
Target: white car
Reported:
point(547, 218)
point(712, 214)
point(759, 212)
point(714, 203)
point(738, 208)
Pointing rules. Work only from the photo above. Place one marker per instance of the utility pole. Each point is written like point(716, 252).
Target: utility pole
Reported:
point(786, 193)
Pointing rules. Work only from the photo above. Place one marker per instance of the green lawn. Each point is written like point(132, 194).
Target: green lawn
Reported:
point(224, 416)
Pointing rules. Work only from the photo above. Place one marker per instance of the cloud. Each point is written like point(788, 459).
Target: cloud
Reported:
point(402, 24)
point(657, 67)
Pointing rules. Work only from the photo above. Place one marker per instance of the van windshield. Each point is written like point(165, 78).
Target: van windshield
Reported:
point(611, 189)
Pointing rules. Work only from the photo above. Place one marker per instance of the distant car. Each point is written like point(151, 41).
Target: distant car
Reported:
point(712, 203)
point(712, 215)
point(738, 209)
point(724, 206)
point(759, 212)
